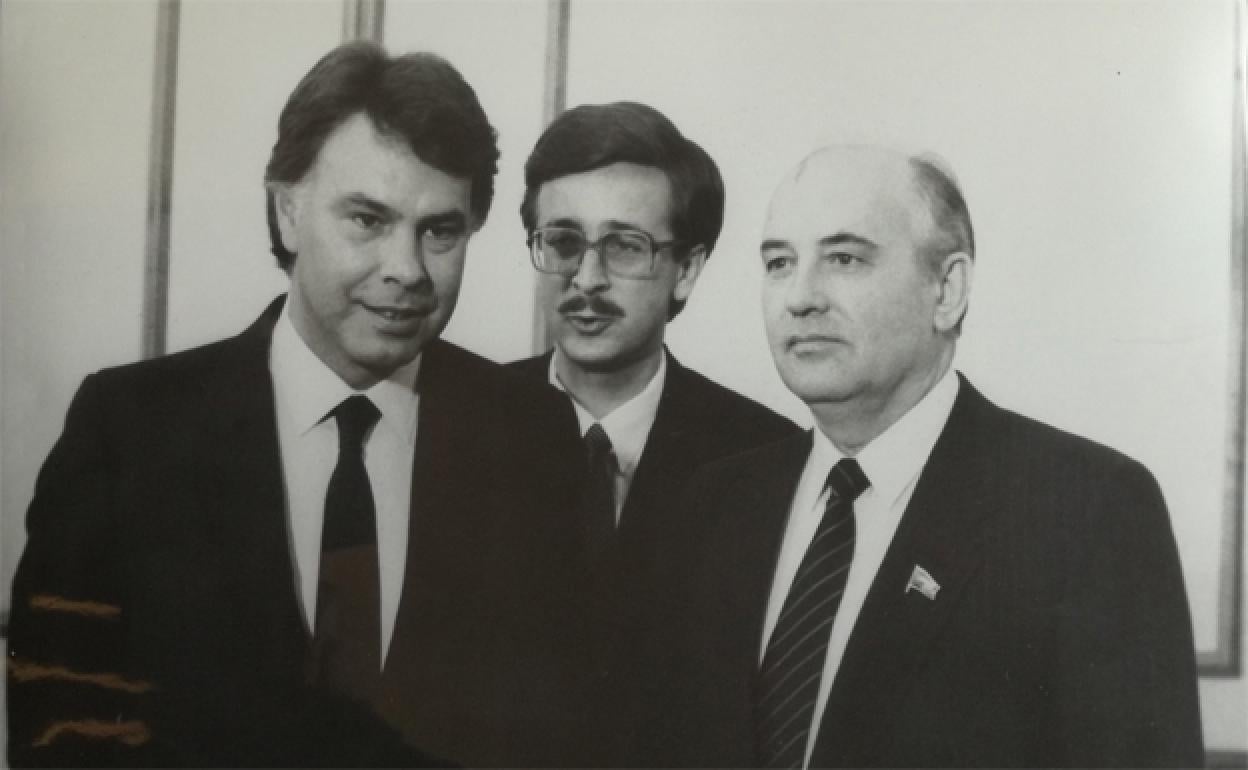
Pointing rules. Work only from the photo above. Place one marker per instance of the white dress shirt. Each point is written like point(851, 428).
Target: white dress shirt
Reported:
point(628, 426)
point(306, 390)
point(892, 463)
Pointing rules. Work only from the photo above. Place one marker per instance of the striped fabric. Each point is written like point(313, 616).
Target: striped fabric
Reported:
point(788, 680)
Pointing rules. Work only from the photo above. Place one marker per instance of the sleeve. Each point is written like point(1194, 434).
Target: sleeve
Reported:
point(69, 698)
point(1127, 679)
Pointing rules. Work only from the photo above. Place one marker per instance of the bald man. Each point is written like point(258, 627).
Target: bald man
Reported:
point(925, 579)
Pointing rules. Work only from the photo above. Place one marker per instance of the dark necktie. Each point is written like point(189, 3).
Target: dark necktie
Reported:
point(599, 488)
point(346, 644)
point(788, 680)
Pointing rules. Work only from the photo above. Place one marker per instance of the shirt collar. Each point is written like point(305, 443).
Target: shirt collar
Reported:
point(628, 425)
point(306, 389)
point(893, 460)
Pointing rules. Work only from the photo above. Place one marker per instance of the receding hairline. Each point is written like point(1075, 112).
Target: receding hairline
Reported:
point(928, 177)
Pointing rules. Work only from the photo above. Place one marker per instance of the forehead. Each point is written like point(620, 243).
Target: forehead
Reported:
point(866, 194)
point(626, 193)
point(356, 158)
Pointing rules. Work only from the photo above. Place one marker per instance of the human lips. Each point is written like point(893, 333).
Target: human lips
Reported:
point(802, 344)
point(397, 317)
point(589, 323)
point(589, 315)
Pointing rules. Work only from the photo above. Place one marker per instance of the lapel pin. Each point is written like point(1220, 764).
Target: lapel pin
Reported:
point(923, 582)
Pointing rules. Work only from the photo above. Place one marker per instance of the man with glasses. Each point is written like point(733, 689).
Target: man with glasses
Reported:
point(622, 212)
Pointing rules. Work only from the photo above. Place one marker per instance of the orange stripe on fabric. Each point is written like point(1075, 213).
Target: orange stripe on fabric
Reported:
point(50, 603)
point(26, 671)
point(132, 733)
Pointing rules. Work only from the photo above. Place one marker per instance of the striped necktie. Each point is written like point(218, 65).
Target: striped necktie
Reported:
point(788, 680)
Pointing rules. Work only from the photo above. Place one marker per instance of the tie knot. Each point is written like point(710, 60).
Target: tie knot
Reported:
point(846, 480)
point(355, 416)
point(597, 441)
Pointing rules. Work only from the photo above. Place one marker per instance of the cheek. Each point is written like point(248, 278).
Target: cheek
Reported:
point(549, 289)
point(446, 272)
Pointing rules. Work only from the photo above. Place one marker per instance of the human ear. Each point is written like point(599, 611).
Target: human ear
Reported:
point(287, 210)
point(690, 269)
point(955, 275)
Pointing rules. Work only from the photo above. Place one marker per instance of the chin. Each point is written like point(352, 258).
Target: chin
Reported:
point(591, 354)
point(813, 386)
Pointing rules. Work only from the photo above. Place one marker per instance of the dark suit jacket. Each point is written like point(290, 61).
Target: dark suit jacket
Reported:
point(697, 421)
point(1060, 635)
point(158, 554)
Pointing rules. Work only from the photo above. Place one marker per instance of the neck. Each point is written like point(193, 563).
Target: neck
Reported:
point(854, 423)
point(601, 392)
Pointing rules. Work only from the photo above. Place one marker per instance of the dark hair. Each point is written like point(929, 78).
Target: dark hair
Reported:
point(590, 137)
point(418, 98)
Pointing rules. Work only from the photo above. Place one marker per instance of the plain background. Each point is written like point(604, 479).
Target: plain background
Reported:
point(1092, 139)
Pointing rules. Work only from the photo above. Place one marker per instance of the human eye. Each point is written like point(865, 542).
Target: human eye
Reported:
point(365, 220)
point(443, 236)
point(627, 245)
point(564, 244)
point(776, 263)
point(843, 259)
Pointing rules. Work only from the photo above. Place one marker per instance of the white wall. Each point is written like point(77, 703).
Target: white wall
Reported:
point(1092, 140)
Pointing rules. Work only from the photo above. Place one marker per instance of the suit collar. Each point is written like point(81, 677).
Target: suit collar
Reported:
point(940, 532)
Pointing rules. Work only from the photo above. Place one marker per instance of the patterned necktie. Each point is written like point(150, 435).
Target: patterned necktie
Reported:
point(788, 680)
point(346, 644)
point(599, 488)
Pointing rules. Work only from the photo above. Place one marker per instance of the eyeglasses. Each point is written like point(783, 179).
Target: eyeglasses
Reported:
point(624, 253)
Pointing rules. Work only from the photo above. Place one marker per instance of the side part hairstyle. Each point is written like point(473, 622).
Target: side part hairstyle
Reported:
point(418, 98)
point(590, 137)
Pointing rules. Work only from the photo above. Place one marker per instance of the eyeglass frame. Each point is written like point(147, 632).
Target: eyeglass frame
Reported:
point(655, 247)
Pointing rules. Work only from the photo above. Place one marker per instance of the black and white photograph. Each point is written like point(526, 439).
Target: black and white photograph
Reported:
point(623, 383)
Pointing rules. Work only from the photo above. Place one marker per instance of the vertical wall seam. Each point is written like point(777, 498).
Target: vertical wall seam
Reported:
point(155, 311)
point(1225, 659)
point(554, 101)
point(363, 20)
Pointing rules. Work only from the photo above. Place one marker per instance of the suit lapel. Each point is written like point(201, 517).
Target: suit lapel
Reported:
point(897, 629)
point(752, 533)
point(449, 452)
point(666, 458)
point(242, 454)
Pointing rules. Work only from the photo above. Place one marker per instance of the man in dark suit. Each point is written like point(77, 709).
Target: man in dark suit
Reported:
point(333, 539)
point(926, 579)
point(622, 212)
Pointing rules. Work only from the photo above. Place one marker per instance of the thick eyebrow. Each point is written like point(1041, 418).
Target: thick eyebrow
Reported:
point(454, 218)
point(841, 239)
point(775, 243)
point(571, 224)
point(615, 224)
point(360, 200)
point(609, 224)
point(451, 217)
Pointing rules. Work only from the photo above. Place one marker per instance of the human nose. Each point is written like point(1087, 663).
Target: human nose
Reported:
point(403, 260)
point(591, 274)
point(805, 293)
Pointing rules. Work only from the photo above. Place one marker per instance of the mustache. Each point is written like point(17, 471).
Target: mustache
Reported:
point(596, 305)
